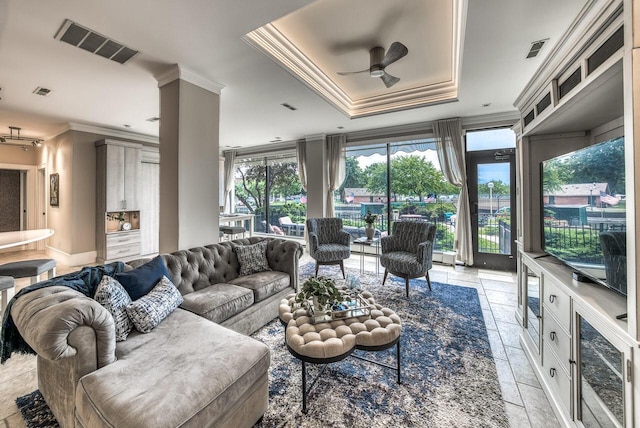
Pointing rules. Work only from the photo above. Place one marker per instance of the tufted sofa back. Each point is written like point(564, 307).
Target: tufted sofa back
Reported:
point(194, 269)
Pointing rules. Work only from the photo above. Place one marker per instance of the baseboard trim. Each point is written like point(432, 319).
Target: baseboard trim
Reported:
point(77, 259)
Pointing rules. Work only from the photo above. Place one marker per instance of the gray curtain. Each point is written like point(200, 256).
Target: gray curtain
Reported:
point(336, 167)
point(301, 155)
point(229, 161)
point(451, 153)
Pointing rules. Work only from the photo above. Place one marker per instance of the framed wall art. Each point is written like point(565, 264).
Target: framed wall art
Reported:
point(54, 190)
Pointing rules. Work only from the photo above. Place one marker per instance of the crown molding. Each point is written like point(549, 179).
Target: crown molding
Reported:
point(181, 72)
point(72, 126)
point(276, 46)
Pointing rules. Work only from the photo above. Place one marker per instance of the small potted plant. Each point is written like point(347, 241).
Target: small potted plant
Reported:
point(318, 294)
point(369, 219)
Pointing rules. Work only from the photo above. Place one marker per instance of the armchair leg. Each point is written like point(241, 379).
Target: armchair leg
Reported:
point(384, 279)
point(342, 269)
point(317, 266)
point(406, 284)
point(428, 280)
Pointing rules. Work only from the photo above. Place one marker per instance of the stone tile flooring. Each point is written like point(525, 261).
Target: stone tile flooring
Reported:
point(525, 402)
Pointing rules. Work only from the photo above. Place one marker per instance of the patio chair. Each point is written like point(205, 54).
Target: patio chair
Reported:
point(291, 228)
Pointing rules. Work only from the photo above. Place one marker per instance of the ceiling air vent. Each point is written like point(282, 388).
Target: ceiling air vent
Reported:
point(42, 91)
point(536, 47)
point(96, 43)
point(288, 106)
point(544, 103)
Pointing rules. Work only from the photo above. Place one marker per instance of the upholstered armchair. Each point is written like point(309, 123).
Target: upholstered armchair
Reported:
point(614, 251)
point(328, 243)
point(408, 251)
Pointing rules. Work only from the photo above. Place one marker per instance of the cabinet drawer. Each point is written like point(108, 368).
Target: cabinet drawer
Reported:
point(558, 340)
point(556, 376)
point(558, 303)
point(117, 239)
point(122, 251)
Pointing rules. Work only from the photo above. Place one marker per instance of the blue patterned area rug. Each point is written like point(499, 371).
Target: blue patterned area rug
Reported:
point(449, 378)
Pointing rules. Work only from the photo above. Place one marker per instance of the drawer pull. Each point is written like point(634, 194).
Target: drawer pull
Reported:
point(552, 372)
point(552, 336)
point(552, 298)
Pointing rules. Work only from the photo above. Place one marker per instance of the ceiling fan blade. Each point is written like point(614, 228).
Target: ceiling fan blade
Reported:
point(396, 51)
point(347, 73)
point(389, 80)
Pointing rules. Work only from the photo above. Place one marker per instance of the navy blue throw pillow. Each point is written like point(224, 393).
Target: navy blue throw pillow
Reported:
point(138, 282)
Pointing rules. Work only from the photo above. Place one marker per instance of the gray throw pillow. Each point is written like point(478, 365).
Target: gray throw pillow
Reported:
point(114, 298)
point(148, 311)
point(252, 258)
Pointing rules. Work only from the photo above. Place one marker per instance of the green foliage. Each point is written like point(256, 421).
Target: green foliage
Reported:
point(323, 289)
point(491, 230)
point(488, 246)
point(283, 180)
point(573, 244)
point(370, 218)
point(600, 164)
point(444, 238)
point(354, 176)
point(499, 188)
point(410, 176)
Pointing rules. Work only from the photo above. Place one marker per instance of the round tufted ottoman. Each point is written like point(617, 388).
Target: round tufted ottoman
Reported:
point(331, 341)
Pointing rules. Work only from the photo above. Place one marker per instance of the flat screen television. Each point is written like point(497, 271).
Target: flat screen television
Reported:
point(584, 212)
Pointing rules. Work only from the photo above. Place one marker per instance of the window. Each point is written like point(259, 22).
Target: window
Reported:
point(503, 138)
point(269, 188)
point(397, 181)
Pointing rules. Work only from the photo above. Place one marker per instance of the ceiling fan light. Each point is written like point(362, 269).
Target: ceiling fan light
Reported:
point(376, 71)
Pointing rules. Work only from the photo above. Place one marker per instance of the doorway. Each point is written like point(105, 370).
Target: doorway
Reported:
point(491, 197)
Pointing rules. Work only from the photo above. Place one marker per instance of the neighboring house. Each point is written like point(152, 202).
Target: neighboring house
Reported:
point(577, 194)
point(357, 195)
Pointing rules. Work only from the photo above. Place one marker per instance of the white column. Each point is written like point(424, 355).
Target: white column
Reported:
point(316, 175)
point(189, 155)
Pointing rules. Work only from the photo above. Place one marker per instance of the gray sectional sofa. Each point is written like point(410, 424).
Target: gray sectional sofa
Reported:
point(196, 368)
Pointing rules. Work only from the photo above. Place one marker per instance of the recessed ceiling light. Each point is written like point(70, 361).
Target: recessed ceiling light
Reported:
point(126, 125)
point(486, 105)
point(153, 119)
point(340, 127)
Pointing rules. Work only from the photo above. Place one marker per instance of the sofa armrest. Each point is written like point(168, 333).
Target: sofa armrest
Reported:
point(48, 316)
point(283, 256)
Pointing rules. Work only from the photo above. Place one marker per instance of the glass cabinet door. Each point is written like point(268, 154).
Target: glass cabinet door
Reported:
point(601, 374)
point(533, 306)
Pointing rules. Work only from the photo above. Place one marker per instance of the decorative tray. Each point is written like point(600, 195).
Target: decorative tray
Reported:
point(354, 308)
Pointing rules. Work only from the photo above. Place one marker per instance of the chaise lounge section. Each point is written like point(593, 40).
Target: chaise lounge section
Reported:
point(196, 368)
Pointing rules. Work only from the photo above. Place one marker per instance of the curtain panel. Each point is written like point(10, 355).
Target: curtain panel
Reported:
point(229, 167)
point(336, 155)
point(451, 154)
point(301, 156)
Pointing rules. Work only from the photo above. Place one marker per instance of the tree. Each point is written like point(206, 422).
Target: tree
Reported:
point(410, 176)
point(354, 176)
point(499, 188)
point(251, 182)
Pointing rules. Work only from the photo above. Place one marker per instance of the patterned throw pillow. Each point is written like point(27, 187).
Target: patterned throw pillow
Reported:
point(252, 258)
point(148, 311)
point(114, 298)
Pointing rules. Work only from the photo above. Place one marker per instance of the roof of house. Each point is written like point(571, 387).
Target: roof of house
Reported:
point(580, 189)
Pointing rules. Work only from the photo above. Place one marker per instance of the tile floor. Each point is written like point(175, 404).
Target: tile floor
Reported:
point(524, 400)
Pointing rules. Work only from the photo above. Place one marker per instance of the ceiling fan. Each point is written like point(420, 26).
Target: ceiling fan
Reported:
point(379, 61)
